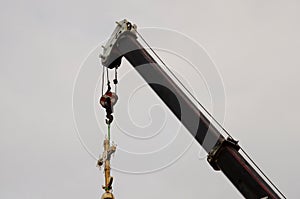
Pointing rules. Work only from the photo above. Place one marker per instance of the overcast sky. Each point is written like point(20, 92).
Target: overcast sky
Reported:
point(253, 44)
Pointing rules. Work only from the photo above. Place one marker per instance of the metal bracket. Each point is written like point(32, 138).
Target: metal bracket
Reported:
point(123, 27)
point(212, 156)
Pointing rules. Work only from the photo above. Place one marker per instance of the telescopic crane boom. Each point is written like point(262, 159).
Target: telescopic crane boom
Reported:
point(223, 154)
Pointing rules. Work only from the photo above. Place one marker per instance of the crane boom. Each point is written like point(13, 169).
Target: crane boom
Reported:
point(223, 154)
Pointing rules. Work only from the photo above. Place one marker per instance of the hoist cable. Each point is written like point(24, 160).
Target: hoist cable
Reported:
point(103, 76)
point(108, 82)
point(107, 76)
point(116, 79)
point(207, 112)
point(108, 132)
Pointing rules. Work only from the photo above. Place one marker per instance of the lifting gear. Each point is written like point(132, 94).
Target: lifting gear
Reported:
point(107, 101)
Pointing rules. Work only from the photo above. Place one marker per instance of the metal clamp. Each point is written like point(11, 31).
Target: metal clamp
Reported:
point(212, 156)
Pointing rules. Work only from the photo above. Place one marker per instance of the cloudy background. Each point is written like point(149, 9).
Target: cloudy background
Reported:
point(254, 44)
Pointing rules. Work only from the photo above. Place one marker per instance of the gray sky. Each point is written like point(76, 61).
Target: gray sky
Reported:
point(254, 45)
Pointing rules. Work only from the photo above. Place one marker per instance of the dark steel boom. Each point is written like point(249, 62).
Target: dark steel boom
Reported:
point(222, 153)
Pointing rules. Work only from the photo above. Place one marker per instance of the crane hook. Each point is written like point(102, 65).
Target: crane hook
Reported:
point(107, 101)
